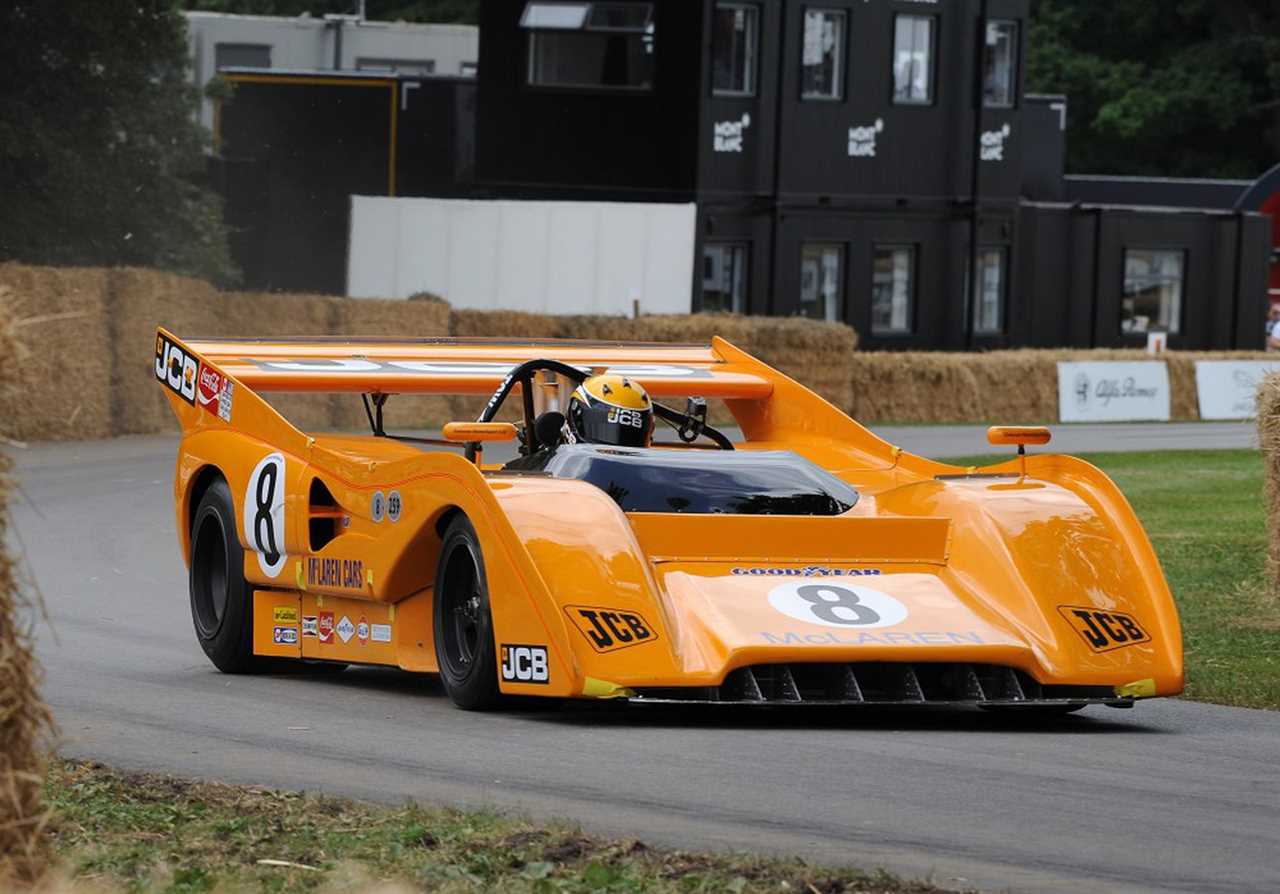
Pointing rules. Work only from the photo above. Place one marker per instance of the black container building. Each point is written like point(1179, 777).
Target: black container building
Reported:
point(849, 160)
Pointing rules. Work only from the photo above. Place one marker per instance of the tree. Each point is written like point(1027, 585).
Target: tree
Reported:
point(100, 152)
point(1163, 87)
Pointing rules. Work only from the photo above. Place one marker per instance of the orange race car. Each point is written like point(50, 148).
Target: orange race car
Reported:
point(809, 562)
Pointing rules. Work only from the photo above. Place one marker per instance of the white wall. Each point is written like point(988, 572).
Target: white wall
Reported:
point(306, 44)
point(545, 257)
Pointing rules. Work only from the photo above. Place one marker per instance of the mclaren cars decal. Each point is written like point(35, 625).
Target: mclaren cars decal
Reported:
point(889, 638)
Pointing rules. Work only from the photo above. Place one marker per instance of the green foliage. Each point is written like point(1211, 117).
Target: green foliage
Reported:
point(1163, 87)
point(380, 10)
point(100, 153)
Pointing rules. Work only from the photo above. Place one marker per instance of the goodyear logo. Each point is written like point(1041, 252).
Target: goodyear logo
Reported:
point(1104, 630)
point(610, 629)
point(338, 574)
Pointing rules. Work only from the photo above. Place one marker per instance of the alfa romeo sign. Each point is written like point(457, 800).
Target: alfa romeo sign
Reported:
point(1113, 392)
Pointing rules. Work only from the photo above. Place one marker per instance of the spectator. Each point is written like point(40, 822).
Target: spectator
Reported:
point(1273, 328)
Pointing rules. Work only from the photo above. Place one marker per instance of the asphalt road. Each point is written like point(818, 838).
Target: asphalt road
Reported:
point(1170, 795)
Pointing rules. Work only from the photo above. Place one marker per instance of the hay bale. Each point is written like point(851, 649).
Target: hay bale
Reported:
point(375, 317)
point(24, 718)
point(60, 383)
point(1269, 441)
point(814, 353)
point(502, 324)
point(268, 314)
point(138, 301)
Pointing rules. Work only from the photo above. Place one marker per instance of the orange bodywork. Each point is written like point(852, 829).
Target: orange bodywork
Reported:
point(1041, 567)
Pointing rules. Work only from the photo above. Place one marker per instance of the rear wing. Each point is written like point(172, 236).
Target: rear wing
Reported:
point(467, 365)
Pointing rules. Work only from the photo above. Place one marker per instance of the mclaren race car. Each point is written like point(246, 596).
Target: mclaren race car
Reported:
point(805, 562)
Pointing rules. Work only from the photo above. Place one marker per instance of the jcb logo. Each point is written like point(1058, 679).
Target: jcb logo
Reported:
point(525, 664)
point(626, 417)
point(1104, 630)
point(608, 629)
point(176, 368)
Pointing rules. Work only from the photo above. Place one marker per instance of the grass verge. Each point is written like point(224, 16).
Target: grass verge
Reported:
point(1204, 513)
point(145, 832)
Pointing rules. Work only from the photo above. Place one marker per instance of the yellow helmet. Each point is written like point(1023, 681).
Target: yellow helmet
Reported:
point(611, 409)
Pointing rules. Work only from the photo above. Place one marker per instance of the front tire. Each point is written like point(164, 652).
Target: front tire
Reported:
point(221, 606)
point(463, 622)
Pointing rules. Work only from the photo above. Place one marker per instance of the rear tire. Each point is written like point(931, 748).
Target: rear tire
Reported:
point(221, 599)
point(465, 650)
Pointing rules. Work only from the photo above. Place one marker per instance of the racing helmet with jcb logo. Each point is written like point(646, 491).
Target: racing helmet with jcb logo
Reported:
point(611, 409)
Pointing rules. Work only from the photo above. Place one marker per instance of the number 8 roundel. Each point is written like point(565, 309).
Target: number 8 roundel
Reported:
point(264, 513)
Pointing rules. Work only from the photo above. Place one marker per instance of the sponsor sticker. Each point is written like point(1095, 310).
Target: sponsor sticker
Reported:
point(287, 636)
point(395, 506)
point(380, 633)
point(345, 629)
point(808, 571)
point(177, 369)
point(362, 630)
point(285, 614)
point(378, 506)
point(1104, 630)
point(335, 574)
point(325, 627)
point(837, 605)
point(609, 629)
point(525, 664)
point(215, 392)
point(310, 626)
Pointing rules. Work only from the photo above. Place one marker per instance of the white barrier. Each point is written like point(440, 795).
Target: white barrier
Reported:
point(1228, 389)
point(1113, 392)
point(543, 257)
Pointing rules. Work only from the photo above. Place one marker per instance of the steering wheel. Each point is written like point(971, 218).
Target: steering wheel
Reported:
point(689, 425)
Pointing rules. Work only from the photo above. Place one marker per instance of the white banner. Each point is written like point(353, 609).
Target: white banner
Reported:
point(1227, 388)
point(1113, 392)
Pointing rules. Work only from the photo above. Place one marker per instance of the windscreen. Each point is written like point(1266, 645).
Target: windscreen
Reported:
point(705, 481)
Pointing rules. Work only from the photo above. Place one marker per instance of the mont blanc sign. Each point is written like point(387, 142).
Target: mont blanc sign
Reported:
point(1113, 392)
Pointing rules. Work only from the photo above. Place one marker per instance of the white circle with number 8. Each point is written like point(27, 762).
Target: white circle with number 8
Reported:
point(837, 604)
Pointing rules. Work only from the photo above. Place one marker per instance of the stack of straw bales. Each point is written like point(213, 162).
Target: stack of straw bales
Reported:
point(1269, 440)
point(24, 719)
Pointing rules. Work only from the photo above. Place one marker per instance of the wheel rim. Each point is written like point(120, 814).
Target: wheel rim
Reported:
point(463, 613)
point(210, 575)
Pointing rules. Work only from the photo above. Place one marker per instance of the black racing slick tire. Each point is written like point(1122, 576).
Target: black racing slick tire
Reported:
point(220, 597)
point(463, 622)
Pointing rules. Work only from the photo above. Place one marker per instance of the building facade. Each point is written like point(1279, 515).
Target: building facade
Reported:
point(877, 162)
point(219, 41)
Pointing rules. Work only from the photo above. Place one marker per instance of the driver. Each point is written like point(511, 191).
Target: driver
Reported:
point(610, 409)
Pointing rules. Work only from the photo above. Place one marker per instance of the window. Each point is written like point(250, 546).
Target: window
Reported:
point(1001, 65)
point(601, 45)
point(724, 277)
point(913, 60)
point(1152, 291)
point(733, 49)
point(241, 55)
point(405, 66)
point(892, 289)
point(822, 281)
point(988, 310)
point(822, 65)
